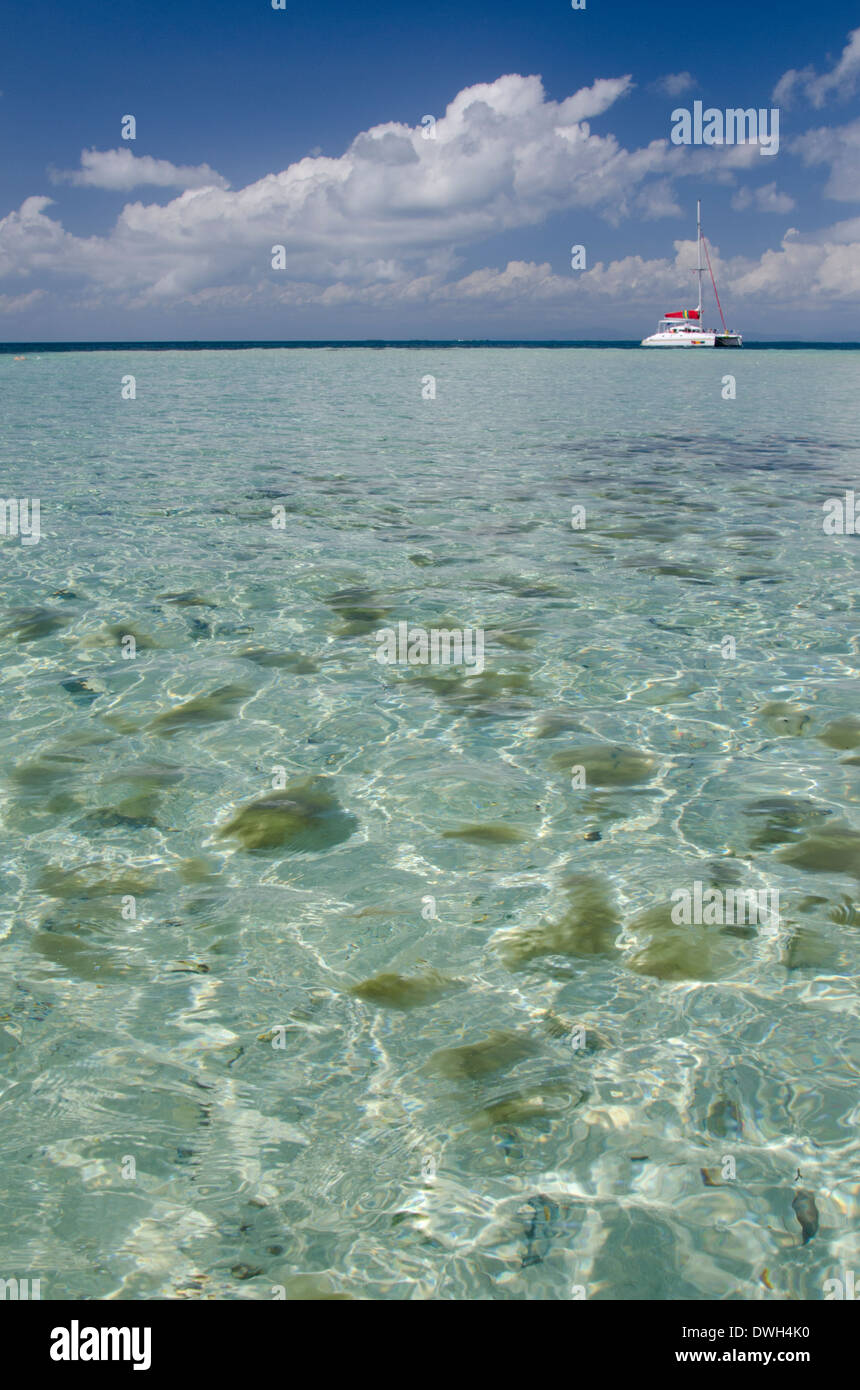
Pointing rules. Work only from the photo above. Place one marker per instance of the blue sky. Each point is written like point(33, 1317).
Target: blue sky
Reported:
point(301, 127)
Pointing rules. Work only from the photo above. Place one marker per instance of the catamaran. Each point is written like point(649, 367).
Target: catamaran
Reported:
point(683, 327)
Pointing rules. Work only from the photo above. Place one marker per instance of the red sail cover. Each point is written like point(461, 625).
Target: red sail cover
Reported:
point(682, 314)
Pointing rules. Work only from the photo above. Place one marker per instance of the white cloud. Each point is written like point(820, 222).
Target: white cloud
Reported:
point(657, 200)
point(823, 269)
point(394, 206)
point(826, 269)
point(764, 199)
point(840, 233)
point(31, 241)
point(503, 157)
point(672, 84)
point(388, 222)
point(841, 80)
point(838, 146)
point(121, 170)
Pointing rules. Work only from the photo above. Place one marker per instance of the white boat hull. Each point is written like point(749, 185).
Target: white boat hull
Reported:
point(689, 338)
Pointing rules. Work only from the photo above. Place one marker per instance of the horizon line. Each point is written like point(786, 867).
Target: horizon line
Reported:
point(221, 344)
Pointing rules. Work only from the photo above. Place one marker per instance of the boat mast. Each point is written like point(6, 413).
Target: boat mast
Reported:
point(699, 266)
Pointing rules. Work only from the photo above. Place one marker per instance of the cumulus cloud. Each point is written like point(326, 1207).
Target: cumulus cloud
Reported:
point(394, 206)
point(838, 146)
point(503, 156)
point(672, 84)
point(389, 221)
point(817, 88)
point(121, 170)
point(29, 240)
point(764, 199)
point(657, 200)
point(823, 268)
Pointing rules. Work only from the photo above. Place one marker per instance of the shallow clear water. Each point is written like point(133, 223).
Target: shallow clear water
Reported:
point(359, 1156)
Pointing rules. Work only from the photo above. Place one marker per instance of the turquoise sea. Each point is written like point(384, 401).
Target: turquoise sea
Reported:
point(325, 978)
